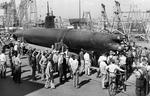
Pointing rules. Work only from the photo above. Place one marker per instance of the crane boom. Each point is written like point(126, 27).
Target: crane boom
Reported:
point(104, 17)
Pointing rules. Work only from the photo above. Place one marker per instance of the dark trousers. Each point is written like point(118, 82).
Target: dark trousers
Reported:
point(15, 52)
point(12, 70)
point(62, 73)
point(129, 63)
point(12, 67)
point(3, 74)
point(70, 71)
point(17, 74)
point(60, 69)
point(38, 66)
point(33, 73)
point(3, 71)
point(55, 67)
point(140, 91)
point(76, 79)
point(65, 67)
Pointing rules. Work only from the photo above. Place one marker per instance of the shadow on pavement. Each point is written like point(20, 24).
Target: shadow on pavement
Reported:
point(23, 71)
point(84, 82)
point(24, 66)
point(28, 77)
point(93, 71)
point(24, 57)
point(59, 84)
point(9, 88)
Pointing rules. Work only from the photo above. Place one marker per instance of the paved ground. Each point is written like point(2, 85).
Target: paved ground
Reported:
point(89, 86)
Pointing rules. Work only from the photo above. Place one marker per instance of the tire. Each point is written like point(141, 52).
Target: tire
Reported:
point(112, 89)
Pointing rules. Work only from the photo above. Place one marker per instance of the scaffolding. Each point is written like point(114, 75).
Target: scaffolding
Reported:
point(137, 23)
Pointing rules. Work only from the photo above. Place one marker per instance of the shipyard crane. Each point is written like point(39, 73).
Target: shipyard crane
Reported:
point(23, 11)
point(10, 17)
point(117, 24)
point(117, 15)
point(4, 6)
point(88, 18)
point(12, 14)
point(104, 17)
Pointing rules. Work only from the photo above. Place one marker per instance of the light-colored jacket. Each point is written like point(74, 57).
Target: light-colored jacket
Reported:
point(74, 65)
point(55, 58)
point(103, 66)
point(87, 59)
point(60, 59)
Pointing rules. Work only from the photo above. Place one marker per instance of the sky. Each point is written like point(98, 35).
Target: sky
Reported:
point(70, 8)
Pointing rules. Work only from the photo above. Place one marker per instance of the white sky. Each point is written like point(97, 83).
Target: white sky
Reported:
point(69, 8)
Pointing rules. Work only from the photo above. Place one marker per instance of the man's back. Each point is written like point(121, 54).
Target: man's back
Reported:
point(103, 66)
point(74, 65)
point(86, 57)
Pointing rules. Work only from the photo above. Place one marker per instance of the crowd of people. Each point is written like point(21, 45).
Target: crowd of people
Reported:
point(45, 63)
point(132, 59)
point(68, 65)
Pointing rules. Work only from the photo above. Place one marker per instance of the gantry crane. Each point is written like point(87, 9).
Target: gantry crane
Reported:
point(104, 17)
point(88, 18)
point(4, 6)
point(25, 14)
point(117, 19)
point(118, 25)
point(10, 14)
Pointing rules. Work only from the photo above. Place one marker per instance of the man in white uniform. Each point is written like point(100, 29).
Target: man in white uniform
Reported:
point(87, 61)
point(74, 66)
point(103, 66)
point(101, 58)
